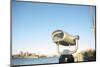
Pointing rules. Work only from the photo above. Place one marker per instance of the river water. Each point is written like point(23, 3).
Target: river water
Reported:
point(28, 61)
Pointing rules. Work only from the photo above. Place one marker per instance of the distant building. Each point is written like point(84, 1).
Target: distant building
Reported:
point(21, 53)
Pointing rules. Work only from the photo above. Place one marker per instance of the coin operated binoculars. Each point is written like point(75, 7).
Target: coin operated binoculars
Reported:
point(62, 38)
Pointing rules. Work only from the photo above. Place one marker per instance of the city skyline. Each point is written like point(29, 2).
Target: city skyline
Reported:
point(33, 24)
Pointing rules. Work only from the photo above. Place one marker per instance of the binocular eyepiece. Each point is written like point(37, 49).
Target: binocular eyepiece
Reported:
point(64, 38)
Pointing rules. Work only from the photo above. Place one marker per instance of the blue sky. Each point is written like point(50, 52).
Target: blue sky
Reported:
point(33, 24)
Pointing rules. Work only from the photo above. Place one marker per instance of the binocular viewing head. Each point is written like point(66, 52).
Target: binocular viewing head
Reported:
point(63, 38)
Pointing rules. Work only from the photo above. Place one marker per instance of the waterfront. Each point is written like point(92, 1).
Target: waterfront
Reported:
point(33, 59)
